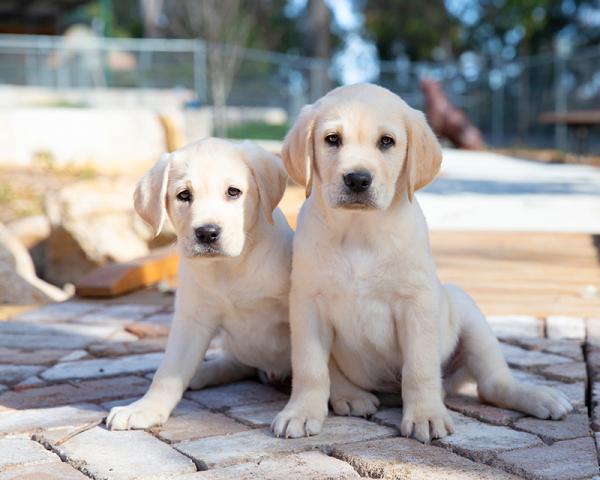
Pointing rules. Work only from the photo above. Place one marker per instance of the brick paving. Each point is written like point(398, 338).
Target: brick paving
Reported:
point(62, 367)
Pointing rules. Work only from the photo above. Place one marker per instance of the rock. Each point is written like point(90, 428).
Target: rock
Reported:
point(118, 349)
point(566, 460)
point(21, 452)
point(243, 447)
point(403, 458)
point(570, 328)
point(19, 283)
point(30, 230)
point(98, 368)
point(122, 455)
point(572, 426)
point(90, 228)
point(303, 466)
point(234, 395)
point(593, 332)
point(69, 393)
point(30, 421)
point(46, 471)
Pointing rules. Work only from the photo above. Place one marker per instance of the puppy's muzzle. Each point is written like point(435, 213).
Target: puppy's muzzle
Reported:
point(358, 182)
point(207, 234)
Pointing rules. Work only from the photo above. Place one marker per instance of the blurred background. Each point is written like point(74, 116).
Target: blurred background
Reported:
point(92, 91)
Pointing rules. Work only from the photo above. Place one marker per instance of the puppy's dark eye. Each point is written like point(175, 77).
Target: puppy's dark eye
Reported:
point(386, 142)
point(233, 192)
point(333, 140)
point(184, 196)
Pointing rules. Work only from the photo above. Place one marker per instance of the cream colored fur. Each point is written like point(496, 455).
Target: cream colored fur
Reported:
point(365, 295)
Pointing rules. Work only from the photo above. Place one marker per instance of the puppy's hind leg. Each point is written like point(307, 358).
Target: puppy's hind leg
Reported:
point(223, 368)
point(349, 399)
point(485, 362)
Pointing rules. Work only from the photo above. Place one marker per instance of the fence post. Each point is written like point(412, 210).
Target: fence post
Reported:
point(560, 99)
point(200, 71)
point(497, 103)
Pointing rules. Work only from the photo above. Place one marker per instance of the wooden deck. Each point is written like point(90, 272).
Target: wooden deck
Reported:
point(538, 274)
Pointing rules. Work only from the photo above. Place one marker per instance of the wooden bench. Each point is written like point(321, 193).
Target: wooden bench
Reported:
point(580, 122)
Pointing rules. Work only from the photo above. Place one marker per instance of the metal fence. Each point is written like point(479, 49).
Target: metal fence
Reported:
point(503, 98)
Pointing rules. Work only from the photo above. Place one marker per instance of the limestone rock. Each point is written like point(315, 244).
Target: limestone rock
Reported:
point(18, 282)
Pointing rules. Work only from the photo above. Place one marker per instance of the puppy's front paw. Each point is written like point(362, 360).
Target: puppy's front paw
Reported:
point(545, 402)
point(138, 415)
point(358, 403)
point(426, 422)
point(298, 421)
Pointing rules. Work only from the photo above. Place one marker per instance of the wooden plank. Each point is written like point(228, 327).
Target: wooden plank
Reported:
point(120, 278)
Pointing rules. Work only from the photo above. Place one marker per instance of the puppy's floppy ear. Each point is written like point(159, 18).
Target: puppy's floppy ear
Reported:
point(423, 152)
point(150, 197)
point(269, 175)
point(298, 151)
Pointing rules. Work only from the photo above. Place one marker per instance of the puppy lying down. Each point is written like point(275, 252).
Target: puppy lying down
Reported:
point(235, 258)
point(365, 295)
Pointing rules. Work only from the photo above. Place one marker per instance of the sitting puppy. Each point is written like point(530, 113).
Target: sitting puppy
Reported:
point(235, 259)
point(364, 287)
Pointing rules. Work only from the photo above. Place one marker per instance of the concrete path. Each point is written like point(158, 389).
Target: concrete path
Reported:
point(62, 368)
point(486, 191)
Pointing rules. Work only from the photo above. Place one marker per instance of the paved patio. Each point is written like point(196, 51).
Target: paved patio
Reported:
point(62, 367)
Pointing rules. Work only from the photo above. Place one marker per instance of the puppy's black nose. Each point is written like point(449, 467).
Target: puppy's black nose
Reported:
point(208, 233)
point(358, 182)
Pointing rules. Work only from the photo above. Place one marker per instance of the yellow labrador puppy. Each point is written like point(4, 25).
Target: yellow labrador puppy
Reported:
point(235, 259)
point(364, 285)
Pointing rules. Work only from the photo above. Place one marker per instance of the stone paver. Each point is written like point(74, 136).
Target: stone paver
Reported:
point(29, 421)
point(84, 391)
point(124, 455)
point(567, 348)
point(566, 460)
point(62, 368)
point(62, 336)
point(235, 394)
point(303, 466)
point(103, 367)
point(572, 426)
point(519, 357)
point(473, 407)
point(117, 314)
point(10, 374)
point(258, 414)
point(572, 328)
point(189, 421)
point(119, 349)
point(566, 372)
point(47, 471)
point(575, 392)
point(475, 440)
point(57, 312)
point(242, 447)
point(21, 452)
point(404, 458)
point(510, 326)
point(31, 357)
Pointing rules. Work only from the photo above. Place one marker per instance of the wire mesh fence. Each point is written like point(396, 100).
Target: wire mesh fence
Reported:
point(503, 98)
